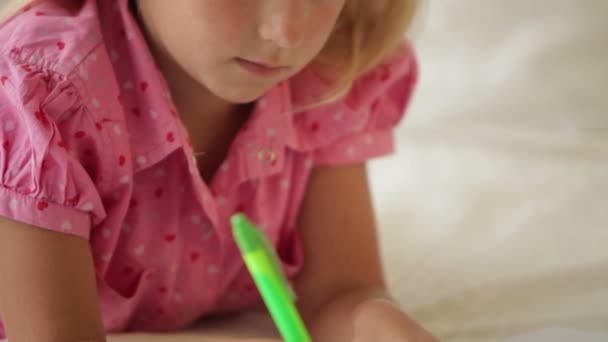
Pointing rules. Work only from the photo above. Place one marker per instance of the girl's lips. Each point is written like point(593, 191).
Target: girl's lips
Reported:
point(261, 69)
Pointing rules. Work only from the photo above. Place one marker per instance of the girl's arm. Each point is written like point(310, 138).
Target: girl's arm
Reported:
point(47, 286)
point(342, 272)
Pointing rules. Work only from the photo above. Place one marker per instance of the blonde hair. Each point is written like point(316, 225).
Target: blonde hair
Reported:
point(366, 33)
point(9, 7)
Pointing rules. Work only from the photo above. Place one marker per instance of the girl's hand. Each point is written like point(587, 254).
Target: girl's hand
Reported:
point(380, 320)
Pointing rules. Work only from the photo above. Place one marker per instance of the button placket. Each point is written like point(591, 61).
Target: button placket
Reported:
point(267, 156)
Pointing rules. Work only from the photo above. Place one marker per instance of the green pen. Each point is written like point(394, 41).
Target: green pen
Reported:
point(262, 263)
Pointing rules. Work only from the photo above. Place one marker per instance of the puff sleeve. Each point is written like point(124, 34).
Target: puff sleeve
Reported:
point(48, 153)
point(360, 126)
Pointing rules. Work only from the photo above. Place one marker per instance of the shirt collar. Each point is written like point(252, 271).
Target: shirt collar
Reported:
point(152, 120)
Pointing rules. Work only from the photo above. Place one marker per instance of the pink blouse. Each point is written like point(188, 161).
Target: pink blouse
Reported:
point(92, 146)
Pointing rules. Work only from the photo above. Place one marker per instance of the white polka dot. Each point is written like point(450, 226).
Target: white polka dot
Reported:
point(351, 152)
point(88, 206)
point(196, 219)
point(263, 103)
point(178, 297)
point(368, 139)
point(128, 85)
point(338, 116)
point(114, 56)
point(77, 58)
point(139, 250)
point(125, 179)
point(95, 103)
point(213, 269)
point(225, 167)
point(141, 160)
point(68, 20)
point(208, 231)
point(106, 233)
point(308, 163)
point(222, 201)
point(173, 268)
point(127, 228)
point(207, 235)
point(84, 73)
point(117, 129)
point(160, 173)
point(130, 36)
point(93, 57)
point(154, 114)
point(9, 126)
point(36, 58)
point(12, 204)
point(106, 257)
point(285, 184)
point(66, 225)
point(271, 132)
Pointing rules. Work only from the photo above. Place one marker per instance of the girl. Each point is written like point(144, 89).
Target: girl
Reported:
point(132, 130)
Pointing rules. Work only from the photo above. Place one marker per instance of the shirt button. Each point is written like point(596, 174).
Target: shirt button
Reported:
point(267, 157)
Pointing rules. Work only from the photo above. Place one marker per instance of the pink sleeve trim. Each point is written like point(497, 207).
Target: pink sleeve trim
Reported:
point(45, 215)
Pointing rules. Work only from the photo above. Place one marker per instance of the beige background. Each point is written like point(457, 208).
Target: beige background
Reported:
point(494, 212)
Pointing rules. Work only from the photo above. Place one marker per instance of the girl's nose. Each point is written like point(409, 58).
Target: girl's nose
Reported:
point(285, 23)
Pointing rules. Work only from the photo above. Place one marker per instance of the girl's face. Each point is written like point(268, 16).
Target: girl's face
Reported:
point(238, 49)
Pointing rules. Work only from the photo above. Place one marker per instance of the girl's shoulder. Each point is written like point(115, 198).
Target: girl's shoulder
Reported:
point(51, 36)
point(359, 125)
point(56, 79)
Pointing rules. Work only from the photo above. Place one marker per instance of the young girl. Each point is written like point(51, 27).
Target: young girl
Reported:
point(132, 130)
